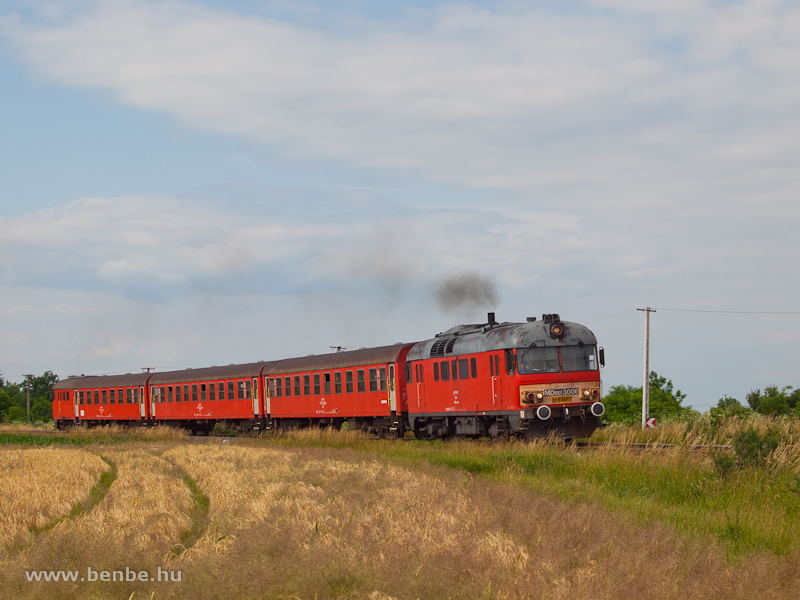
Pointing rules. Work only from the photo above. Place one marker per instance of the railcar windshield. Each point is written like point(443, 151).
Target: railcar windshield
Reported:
point(538, 360)
point(551, 359)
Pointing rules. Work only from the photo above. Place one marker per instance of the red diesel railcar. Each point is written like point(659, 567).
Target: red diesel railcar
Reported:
point(536, 378)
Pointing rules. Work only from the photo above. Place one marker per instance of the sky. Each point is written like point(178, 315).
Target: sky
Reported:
point(194, 183)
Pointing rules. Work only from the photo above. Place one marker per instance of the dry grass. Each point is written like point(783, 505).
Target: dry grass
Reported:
point(115, 433)
point(17, 427)
point(39, 485)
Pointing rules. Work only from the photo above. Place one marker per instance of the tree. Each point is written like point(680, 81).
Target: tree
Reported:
point(42, 410)
point(15, 396)
point(15, 413)
point(773, 401)
point(624, 402)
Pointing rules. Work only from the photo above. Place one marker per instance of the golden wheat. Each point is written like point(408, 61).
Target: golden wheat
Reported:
point(42, 484)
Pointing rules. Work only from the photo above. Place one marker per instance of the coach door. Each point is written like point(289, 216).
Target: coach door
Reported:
point(142, 407)
point(255, 396)
point(392, 390)
point(75, 400)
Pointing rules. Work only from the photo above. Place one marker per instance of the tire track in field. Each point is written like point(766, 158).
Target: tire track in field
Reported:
point(198, 513)
point(97, 494)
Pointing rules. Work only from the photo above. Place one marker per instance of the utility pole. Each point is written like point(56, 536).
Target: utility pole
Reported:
point(28, 404)
point(646, 386)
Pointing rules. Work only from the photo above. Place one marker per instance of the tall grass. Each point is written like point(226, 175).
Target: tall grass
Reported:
point(706, 429)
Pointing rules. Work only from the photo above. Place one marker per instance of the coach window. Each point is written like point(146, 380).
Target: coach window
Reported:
point(445, 370)
point(202, 392)
point(112, 396)
point(297, 385)
point(212, 391)
point(327, 377)
point(221, 390)
point(240, 390)
point(169, 394)
point(177, 393)
point(348, 382)
point(454, 368)
point(247, 393)
point(128, 397)
point(373, 380)
point(121, 396)
point(136, 396)
point(278, 387)
point(288, 385)
point(97, 397)
point(473, 363)
point(316, 384)
point(361, 384)
point(306, 385)
point(383, 378)
point(162, 396)
point(105, 396)
point(80, 397)
point(186, 393)
point(230, 391)
point(194, 392)
point(360, 381)
point(337, 383)
point(436, 371)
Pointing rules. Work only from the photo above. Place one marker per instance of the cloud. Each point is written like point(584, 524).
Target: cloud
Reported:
point(509, 100)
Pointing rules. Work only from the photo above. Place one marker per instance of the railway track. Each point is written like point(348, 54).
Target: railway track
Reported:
point(575, 443)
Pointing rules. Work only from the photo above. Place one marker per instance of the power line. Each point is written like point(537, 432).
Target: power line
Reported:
point(735, 312)
point(610, 316)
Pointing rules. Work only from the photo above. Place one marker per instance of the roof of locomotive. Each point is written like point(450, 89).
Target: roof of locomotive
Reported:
point(469, 339)
point(78, 382)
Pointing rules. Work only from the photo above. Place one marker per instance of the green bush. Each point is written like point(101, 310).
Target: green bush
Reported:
point(16, 414)
point(752, 448)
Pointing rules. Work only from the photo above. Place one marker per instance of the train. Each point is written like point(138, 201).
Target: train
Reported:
point(531, 379)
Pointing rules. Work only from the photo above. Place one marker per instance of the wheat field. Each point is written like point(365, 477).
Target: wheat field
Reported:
point(260, 519)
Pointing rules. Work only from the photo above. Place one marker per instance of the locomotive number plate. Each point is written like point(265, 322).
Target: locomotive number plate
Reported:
point(561, 399)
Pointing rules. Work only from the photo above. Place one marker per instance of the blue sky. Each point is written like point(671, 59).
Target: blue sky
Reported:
point(194, 183)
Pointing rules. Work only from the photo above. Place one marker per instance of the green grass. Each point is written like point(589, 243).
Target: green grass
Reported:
point(28, 439)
